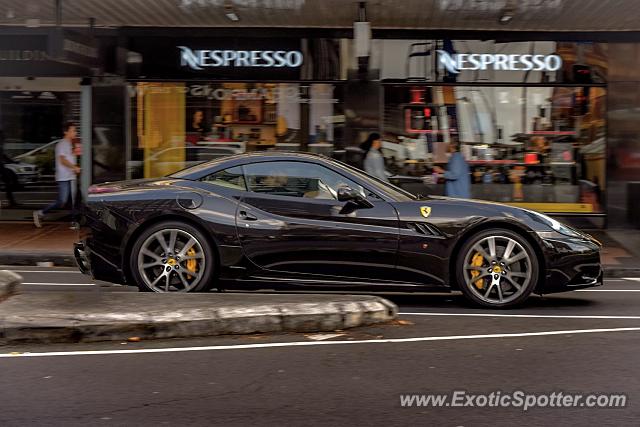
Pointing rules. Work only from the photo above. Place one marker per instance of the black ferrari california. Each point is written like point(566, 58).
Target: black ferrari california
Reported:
point(294, 220)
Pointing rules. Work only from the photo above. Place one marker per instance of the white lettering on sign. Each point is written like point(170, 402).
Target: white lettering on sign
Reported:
point(499, 62)
point(200, 59)
point(80, 49)
point(262, 4)
point(23, 55)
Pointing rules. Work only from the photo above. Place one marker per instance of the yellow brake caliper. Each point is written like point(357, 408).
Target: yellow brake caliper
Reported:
point(192, 264)
point(477, 261)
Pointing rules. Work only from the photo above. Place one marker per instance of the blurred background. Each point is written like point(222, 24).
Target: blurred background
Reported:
point(543, 96)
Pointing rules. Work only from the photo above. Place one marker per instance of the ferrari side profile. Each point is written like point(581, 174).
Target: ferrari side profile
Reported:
point(296, 220)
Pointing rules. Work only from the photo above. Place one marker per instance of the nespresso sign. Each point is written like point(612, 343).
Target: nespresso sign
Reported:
point(220, 58)
point(454, 63)
point(199, 59)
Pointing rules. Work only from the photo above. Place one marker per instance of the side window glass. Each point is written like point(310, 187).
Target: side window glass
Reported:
point(296, 179)
point(229, 178)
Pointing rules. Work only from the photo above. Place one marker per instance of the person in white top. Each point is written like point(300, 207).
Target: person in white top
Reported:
point(66, 173)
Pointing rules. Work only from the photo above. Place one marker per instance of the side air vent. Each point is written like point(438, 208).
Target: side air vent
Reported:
point(423, 228)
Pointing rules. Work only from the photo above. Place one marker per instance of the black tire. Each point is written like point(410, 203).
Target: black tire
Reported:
point(210, 266)
point(524, 291)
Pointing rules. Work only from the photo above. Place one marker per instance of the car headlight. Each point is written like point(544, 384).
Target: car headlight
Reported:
point(23, 169)
point(557, 227)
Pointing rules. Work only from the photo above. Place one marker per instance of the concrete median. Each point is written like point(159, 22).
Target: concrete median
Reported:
point(95, 316)
point(9, 281)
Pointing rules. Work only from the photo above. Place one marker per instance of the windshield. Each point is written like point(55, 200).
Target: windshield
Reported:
point(184, 173)
point(396, 192)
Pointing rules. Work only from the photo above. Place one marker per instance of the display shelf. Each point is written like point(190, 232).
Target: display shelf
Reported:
point(552, 132)
point(492, 162)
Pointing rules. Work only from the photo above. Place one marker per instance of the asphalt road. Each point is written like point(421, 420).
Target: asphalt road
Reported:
point(582, 342)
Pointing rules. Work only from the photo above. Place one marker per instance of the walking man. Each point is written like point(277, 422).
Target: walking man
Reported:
point(66, 172)
point(457, 175)
point(5, 175)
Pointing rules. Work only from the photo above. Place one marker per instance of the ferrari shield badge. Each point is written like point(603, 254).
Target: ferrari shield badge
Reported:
point(425, 211)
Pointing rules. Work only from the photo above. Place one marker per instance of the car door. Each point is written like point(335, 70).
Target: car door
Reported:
point(290, 222)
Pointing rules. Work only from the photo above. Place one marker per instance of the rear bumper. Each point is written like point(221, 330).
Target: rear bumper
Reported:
point(92, 263)
point(81, 254)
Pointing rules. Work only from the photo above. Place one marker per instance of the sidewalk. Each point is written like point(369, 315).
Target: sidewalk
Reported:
point(620, 251)
point(23, 244)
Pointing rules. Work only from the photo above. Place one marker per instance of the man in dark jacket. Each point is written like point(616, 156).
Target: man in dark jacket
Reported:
point(5, 174)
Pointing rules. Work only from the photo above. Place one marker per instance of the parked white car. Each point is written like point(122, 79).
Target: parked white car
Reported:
point(21, 173)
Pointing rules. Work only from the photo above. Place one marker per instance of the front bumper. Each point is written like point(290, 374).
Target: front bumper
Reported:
point(27, 178)
point(571, 264)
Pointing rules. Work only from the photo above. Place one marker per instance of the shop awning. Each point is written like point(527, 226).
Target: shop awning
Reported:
point(520, 15)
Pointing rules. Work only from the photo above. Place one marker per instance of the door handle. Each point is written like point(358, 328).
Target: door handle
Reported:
point(247, 216)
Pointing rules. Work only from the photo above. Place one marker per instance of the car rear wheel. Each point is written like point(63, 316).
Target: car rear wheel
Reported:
point(172, 257)
point(497, 268)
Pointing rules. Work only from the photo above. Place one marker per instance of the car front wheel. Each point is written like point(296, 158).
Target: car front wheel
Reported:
point(497, 268)
point(172, 257)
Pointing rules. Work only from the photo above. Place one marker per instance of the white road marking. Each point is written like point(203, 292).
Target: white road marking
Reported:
point(48, 271)
point(57, 284)
point(537, 316)
point(321, 337)
point(315, 343)
point(607, 290)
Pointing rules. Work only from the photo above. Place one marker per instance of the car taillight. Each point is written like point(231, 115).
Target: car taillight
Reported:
point(101, 189)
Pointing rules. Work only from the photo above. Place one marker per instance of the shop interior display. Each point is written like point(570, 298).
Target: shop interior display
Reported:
point(544, 146)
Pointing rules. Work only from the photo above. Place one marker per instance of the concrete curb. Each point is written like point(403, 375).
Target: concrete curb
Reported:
point(9, 281)
point(193, 316)
point(29, 259)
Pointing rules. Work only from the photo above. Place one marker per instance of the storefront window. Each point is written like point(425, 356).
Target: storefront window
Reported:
point(177, 125)
point(31, 122)
point(529, 117)
point(537, 147)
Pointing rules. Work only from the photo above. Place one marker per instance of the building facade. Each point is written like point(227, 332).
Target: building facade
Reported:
point(546, 121)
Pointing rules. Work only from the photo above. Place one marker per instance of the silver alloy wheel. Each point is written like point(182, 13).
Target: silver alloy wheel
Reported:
point(171, 260)
point(497, 269)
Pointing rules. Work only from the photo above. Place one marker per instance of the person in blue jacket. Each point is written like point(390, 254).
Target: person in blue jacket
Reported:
point(457, 175)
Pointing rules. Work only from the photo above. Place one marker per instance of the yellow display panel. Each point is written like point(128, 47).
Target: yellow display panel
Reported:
point(161, 127)
point(555, 207)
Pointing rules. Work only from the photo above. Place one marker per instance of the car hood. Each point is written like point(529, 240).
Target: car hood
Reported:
point(448, 212)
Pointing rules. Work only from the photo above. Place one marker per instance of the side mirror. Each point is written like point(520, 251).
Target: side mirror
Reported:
point(349, 195)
